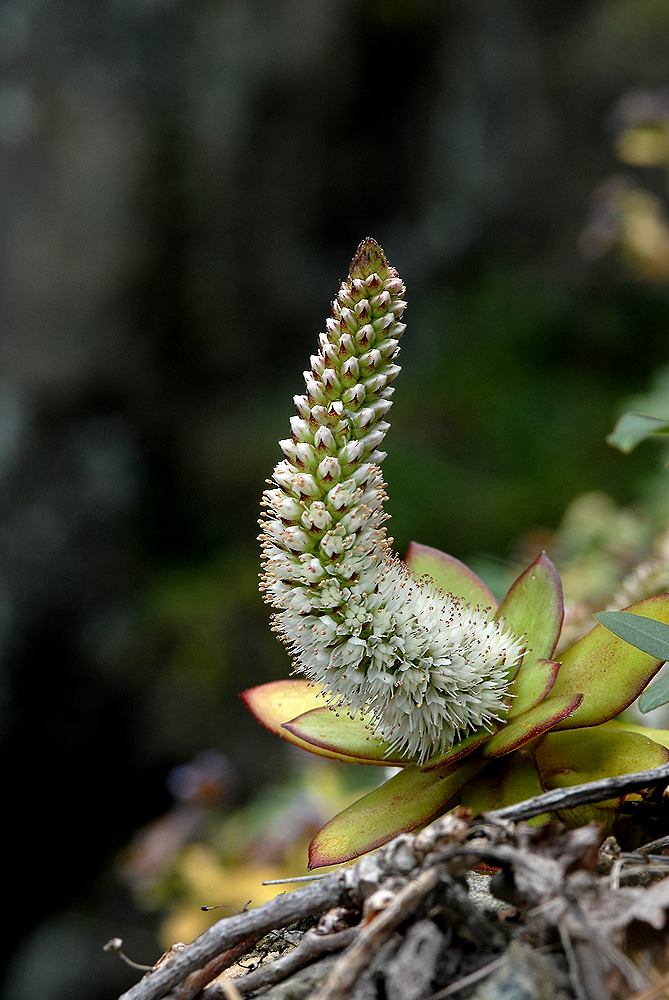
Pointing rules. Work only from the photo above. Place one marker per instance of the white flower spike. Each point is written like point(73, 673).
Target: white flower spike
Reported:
point(424, 668)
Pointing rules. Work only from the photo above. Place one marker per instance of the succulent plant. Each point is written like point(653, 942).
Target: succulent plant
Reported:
point(411, 663)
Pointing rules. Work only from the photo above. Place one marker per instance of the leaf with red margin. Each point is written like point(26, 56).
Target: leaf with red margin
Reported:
point(339, 733)
point(279, 701)
point(403, 803)
point(609, 672)
point(534, 608)
point(531, 684)
point(504, 782)
point(451, 575)
point(573, 757)
point(526, 727)
point(458, 751)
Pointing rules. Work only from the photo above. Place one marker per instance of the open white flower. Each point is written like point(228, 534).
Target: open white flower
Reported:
point(424, 667)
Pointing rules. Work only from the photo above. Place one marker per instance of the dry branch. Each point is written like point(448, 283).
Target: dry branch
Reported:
point(411, 868)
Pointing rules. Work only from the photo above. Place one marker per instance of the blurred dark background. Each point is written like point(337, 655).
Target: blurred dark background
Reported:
point(183, 185)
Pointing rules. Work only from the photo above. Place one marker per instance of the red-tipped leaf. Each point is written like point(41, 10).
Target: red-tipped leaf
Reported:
point(339, 733)
point(403, 803)
point(451, 575)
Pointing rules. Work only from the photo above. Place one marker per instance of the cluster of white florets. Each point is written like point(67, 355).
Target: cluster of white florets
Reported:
point(423, 667)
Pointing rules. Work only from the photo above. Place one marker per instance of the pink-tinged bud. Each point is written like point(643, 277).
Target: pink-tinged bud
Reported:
point(351, 452)
point(381, 303)
point(324, 440)
point(314, 390)
point(317, 415)
point(318, 364)
point(284, 476)
point(370, 360)
point(288, 509)
point(365, 416)
point(365, 336)
point(347, 346)
point(349, 323)
point(302, 406)
point(383, 324)
point(329, 470)
point(331, 354)
point(296, 539)
point(374, 384)
point(355, 396)
point(306, 485)
point(317, 517)
point(395, 286)
point(288, 447)
point(332, 387)
point(305, 455)
point(300, 429)
point(363, 311)
point(350, 372)
point(345, 295)
point(374, 438)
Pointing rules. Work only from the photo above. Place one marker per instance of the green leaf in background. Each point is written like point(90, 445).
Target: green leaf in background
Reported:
point(654, 696)
point(633, 428)
point(645, 633)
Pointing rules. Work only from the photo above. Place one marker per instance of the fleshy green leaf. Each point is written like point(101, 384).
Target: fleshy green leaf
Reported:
point(403, 803)
point(645, 633)
point(572, 758)
point(503, 783)
point(339, 733)
point(654, 696)
point(609, 672)
point(451, 575)
point(534, 608)
point(633, 428)
point(278, 701)
point(524, 728)
point(531, 684)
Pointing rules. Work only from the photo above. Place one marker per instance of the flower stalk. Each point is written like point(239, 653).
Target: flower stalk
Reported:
point(423, 667)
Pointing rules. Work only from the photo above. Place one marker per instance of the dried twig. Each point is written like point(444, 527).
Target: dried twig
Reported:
point(193, 984)
point(578, 795)
point(312, 946)
point(347, 970)
point(279, 912)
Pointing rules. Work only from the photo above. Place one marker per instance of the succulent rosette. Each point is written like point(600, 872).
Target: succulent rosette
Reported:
point(413, 663)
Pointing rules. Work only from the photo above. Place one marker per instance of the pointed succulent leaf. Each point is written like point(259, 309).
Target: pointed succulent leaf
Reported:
point(633, 428)
point(450, 575)
point(405, 802)
point(609, 672)
point(278, 701)
point(534, 608)
point(458, 751)
point(526, 727)
point(642, 632)
point(504, 782)
point(531, 684)
point(339, 733)
point(574, 757)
